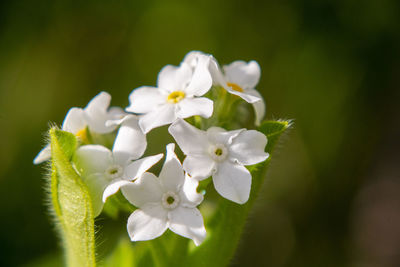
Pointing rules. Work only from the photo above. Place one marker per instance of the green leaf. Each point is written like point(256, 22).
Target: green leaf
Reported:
point(225, 227)
point(71, 202)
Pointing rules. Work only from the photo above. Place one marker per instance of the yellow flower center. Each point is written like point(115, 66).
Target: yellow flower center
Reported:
point(82, 134)
point(218, 152)
point(235, 87)
point(175, 97)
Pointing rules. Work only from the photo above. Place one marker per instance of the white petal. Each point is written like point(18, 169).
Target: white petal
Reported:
point(188, 222)
point(147, 223)
point(190, 198)
point(117, 116)
point(91, 159)
point(199, 167)
point(244, 95)
point(171, 175)
point(116, 112)
point(113, 188)
point(233, 182)
point(246, 75)
point(163, 115)
point(146, 189)
point(172, 78)
point(96, 113)
point(216, 73)
point(130, 142)
point(121, 119)
point(44, 154)
point(96, 184)
point(100, 102)
point(201, 80)
point(145, 99)
point(190, 139)
point(191, 58)
point(259, 106)
point(259, 110)
point(195, 106)
point(248, 148)
point(74, 121)
point(217, 135)
point(135, 169)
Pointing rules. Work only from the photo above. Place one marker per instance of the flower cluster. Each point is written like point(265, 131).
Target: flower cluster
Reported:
point(195, 99)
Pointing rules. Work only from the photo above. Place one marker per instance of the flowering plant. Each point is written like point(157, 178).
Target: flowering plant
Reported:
point(202, 105)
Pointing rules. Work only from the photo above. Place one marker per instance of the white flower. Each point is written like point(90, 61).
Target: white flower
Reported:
point(177, 95)
point(240, 78)
point(94, 117)
point(105, 171)
point(166, 202)
point(221, 154)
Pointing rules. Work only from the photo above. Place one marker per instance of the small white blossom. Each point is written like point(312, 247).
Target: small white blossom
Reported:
point(166, 202)
point(177, 95)
point(240, 78)
point(93, 116)
point(105, 171)
point(221, 154)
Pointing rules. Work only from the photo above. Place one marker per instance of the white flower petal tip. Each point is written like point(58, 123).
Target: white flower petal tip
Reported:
point(136, 168)
point(100, 102)
point(191, 58)
point(258, 106)
point(44, 155)
point(188, 223)
point(248, 148)
point(190, 191)
point(113, 188)
point(145, 99)
point(147, 223)
point(96, 113)
point(130, 143)
point(201, 80)
point(184, 134)
point(123, 119)
point(233, 182)
point(170, 151)
point(166, 202)
point(163, 115)
point(74, 121)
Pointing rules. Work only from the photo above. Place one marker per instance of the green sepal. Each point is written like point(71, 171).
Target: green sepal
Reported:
point(71, 202)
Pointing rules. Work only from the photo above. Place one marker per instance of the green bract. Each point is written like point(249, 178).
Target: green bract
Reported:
point(71, 202)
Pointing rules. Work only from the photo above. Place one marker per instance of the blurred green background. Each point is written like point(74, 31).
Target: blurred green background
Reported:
point(332, 195)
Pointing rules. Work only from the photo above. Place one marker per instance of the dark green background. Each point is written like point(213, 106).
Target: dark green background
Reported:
point(332, 196)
